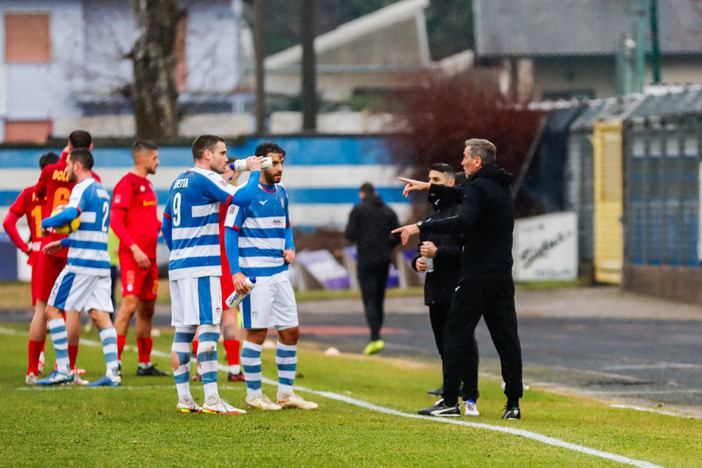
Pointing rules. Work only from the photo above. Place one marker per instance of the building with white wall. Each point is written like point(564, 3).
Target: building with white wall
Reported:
point(67, 59)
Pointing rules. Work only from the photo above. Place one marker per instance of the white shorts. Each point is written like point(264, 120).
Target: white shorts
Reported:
point(270, 304)
point(196, 301)
point(81, 292)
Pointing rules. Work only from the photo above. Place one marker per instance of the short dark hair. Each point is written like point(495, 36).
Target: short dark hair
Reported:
point(142, 145)
point(482, 149)
point(83, 156)
point(204, 142)
point(367, 188)
point(461, 180)
point(48, 158)
point(268, 147)
point(80, 139)
point(444, 168)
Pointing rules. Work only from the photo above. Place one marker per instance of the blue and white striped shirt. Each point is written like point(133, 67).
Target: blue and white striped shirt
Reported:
point(87, 251)
point(261, 231)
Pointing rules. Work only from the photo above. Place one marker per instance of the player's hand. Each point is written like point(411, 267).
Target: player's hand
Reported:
point(428, 249)
point(66, 150)
point(254, 163)
point(289, 255)
point(421, 265)
point(239, 280)
point(140, 257)
point(412, 184)
point(52, 247)
point(406, 232)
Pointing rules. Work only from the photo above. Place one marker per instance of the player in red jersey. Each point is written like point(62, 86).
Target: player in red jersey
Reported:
point(55, 189)
point(135, 222)
point(27, 204)
point(229, 325)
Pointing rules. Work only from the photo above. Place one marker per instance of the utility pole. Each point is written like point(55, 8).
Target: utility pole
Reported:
point(655, 44)
point(260, 55)
point(309, 72)
point(641, 30)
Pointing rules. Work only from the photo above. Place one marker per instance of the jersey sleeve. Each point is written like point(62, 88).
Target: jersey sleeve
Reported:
point(233, 217)
point(40, 189)
point(18, 206)
point(217, 188)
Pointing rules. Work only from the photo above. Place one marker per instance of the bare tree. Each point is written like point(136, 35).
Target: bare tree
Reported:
point(154, 93)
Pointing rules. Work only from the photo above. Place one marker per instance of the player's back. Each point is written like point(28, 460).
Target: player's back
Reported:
point(88, 244)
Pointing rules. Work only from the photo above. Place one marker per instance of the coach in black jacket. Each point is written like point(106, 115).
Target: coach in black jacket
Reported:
point(486, 288)
point(444, 250)
point(369, 226)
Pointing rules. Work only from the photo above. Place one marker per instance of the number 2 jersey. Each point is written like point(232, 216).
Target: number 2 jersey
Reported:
point(87, 251)
point(55, 189)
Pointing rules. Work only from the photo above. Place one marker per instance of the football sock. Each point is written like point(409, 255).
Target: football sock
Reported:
point(207, 359)
point(33, 352)
point(121, 340)
point(145, 345)
point(286, 360)
point(251, 363)
point(108, 336)
point(59, 336)
point(72, 353)
point(181, 347)
point(232, 349)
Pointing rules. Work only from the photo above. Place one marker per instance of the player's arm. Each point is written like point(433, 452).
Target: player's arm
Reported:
point(289, 250)
point(10, 226)
point(120, 230)
point(62, 218)
point(167, 231)
point(352, 231)
point(232, 226)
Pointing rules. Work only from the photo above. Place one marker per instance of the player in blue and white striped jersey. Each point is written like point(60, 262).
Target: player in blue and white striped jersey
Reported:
point(191, 230)
point(259, 242)
point(85, 283)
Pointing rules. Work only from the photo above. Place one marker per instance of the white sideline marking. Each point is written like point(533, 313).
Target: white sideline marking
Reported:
point(381, 409)
point(651, 410)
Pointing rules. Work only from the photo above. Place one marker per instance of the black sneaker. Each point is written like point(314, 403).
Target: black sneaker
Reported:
point(152, 371)
point(438, 392)
point(512, 413)
point(440, 409)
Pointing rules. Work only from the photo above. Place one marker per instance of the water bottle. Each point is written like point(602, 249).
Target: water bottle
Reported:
point(234, 299)
point(430, 264)
point(240, 164)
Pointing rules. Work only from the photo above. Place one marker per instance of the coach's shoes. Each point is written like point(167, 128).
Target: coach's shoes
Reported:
point(187, 405)
point(56, 378)
point(106, 382)
point(30, 378)
point(293, 400)
point(151, 370)
point(261, 401)
point(471, 408)
point(441, 409)
point(512, 413)
point(374, 347)
point(219, 406)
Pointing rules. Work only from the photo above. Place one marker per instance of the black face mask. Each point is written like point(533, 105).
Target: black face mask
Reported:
point(433, 198)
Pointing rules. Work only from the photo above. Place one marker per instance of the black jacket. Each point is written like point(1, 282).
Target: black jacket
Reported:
point(486, 217)
point(370, 223)
point(439, 284)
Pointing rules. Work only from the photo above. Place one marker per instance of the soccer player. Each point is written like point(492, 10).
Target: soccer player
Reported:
point(191, 230)
point(230, 328)
point(259, 244)
point(55, 188)
point(84, 284)
point(27, 204)
point(135, 222)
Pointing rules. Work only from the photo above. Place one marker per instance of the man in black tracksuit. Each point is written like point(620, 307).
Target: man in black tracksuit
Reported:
point(370, 223)
point(444, 250)
point(485, 288)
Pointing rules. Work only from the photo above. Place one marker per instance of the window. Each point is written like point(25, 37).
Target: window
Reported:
point(27, 38)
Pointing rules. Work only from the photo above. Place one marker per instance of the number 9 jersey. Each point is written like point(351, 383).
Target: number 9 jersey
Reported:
point(87, 251)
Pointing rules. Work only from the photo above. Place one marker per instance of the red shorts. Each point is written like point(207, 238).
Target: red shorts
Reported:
point(48, 268)
point(136, 281)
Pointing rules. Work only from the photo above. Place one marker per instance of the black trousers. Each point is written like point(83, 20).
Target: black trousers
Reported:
point(438, 313)
point(372, 279)
point(490, 296)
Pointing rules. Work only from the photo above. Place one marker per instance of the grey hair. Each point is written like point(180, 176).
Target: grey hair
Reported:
point(482, 149)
